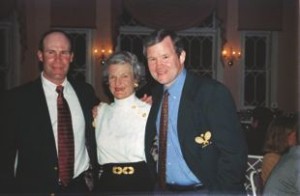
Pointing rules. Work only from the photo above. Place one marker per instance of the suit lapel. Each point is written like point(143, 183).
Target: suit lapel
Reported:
point(43, 122)
point(187, 103)
point(86, 102)
point(151, 130)
point(155, 107)
point(83, 103)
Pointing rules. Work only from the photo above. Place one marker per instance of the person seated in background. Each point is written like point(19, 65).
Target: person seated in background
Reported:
point(285, 177)
point(261, 118)
point(120, 129)
point(281, 135)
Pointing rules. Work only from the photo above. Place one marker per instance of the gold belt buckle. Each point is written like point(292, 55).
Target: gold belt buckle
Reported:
point(123, 170)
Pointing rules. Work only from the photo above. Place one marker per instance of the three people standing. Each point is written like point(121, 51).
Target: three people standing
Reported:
point(205, 151)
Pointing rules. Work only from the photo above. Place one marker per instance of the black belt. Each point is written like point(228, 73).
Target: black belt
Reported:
point(182, 188)
point(124, 168)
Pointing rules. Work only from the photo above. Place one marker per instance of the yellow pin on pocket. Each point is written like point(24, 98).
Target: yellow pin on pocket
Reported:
point(204, 139)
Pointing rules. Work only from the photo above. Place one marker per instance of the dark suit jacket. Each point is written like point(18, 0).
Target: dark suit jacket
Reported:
point(26, 128)
point(206, 107)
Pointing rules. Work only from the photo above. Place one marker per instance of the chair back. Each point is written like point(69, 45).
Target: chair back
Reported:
point(254, 163)
point(256, 182)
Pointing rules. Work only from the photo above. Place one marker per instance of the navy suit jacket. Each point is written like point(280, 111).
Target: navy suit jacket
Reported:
point(209, 132)
point(26, 128)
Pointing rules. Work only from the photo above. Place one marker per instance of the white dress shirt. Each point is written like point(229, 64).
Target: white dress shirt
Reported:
point(120, 130)
point(80, 152)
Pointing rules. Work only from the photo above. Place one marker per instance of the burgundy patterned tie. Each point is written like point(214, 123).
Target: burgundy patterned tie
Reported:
point(163, 142)
point(65, 139)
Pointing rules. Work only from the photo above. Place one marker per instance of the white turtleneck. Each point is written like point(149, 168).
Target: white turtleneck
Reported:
point(120, 130)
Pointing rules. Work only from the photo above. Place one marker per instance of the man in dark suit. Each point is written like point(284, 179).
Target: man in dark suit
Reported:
point(206, 148)
point(29, 126)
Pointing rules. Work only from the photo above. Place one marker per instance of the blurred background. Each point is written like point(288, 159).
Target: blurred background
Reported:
point(251, 46)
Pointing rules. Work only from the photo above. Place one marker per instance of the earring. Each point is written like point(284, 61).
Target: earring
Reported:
point(135, 84)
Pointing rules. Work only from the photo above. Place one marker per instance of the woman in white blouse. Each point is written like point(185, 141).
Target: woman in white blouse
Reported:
point(120, 129)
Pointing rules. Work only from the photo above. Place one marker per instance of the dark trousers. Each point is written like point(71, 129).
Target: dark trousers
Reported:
point(28, 187)
point(125, 178)
point(181, 190)
point(77, 186)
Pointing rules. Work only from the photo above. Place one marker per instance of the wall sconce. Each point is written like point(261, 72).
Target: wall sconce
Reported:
point(102, 55)
point(229, 56)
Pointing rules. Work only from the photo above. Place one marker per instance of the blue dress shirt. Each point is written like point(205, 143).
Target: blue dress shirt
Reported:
point(178, 172)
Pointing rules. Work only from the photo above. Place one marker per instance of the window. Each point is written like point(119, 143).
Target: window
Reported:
point(80, 68)
point(200, 56)
point(9, 52)
point(3, 58)
point(257, 69)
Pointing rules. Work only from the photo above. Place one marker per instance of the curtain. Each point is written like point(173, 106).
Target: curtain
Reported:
point(6, 8)
point(170, 14)
point(167, 14)
point(260, 15)
point(73, 13)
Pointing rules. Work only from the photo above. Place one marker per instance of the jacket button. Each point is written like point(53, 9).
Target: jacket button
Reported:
point(52, 194)
point(55, 168)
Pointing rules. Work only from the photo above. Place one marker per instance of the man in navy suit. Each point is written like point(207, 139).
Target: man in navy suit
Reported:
point(206, 148)
point(28, 136)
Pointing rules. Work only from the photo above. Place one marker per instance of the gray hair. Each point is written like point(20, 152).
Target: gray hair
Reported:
point(125, 57)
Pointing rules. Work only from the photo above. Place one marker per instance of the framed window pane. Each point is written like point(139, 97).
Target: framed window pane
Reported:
point(3, 59)
point(256, 72)
point(78, 67)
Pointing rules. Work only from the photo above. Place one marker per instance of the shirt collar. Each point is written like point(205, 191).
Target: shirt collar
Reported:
point(176, 88)
point(126, 101)
point(47, 84)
